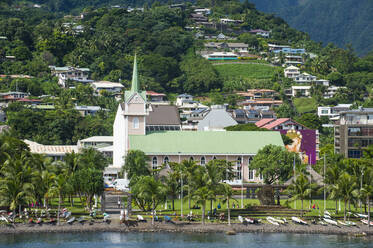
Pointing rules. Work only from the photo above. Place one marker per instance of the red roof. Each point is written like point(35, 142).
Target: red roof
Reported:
point(153, 93)
point(276, 123)
point(263, 122)
point(28, 100)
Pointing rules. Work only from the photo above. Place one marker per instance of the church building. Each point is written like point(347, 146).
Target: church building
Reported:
point(155, 130)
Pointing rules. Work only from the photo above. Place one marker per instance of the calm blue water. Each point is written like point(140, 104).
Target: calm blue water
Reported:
point(171, 240)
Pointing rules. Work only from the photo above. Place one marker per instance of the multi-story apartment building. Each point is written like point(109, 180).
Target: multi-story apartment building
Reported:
point(353, 132)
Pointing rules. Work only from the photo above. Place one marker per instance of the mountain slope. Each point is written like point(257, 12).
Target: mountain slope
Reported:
point(337, 21)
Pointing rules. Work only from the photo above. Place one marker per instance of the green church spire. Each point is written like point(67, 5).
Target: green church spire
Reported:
point(135, 84)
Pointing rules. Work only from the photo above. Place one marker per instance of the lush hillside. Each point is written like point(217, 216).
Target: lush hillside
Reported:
point(340, 22)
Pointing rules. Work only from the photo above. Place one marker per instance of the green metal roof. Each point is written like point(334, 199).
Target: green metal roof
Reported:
point(204, 142)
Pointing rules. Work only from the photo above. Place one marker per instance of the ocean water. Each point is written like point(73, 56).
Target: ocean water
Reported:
point(176, 240)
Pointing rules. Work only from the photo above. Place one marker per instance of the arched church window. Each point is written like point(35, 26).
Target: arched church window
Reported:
point(203, 161)
point(166, 160)
point(191, 159)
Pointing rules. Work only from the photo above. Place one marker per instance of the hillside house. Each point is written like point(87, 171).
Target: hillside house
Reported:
point(332, 112)
point(291, 71)
point(300, 91)
point(304, 78)
point(260, 32)
point(107, 86)
point(70, 73)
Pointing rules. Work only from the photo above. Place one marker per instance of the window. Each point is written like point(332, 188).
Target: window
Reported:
point(155, 163)
point(191, 159)
point(251, 175)
point(239, 168)
point(203, 161)
point(165, 160)
point(135, 123)
point(354, 153)
point(324, 111)
point(214, 158)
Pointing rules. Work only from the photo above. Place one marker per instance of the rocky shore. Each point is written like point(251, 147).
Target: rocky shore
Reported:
point(360, 230)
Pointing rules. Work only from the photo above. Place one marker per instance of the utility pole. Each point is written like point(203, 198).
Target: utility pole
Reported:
point(324, 185)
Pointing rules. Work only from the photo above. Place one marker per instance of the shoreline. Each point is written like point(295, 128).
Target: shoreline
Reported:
point(360, 230)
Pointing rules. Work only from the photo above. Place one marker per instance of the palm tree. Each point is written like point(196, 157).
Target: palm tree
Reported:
point(216, 171)
point(58, 188)
point(301, 188)
point(202, 195)
point(332, 175)
point(227, 191)
point(189, 168)
point(367, 190)
point(173, 186)
point(151, 189)
point(16, 188)
point(345, 188)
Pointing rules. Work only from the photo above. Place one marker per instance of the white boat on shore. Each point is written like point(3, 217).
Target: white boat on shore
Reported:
point(279, 221)
point(361, 216)
point(298, 220)
point(331, 222)
point(342, 223)
point(240, 219)
point(271, 220)
point(365, 221)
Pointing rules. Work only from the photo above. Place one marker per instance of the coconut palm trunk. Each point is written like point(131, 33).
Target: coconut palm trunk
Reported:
point(368, 211)
point(229, 213)
point(301, 212)
point(59, 208)
point(344, 211)
point(153, 208)
point(203, 212)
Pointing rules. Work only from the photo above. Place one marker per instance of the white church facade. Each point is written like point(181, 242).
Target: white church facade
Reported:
point(155, 130)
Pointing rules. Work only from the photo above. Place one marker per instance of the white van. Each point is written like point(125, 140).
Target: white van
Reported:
point(121, 184)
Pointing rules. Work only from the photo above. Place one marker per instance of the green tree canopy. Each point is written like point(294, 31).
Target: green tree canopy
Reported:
point(275, 163)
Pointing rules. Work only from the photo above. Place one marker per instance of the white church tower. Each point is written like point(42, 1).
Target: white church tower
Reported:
point(130, 119)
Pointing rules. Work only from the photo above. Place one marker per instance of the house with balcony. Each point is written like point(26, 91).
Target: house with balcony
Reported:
point(299, 91)
point(291, 71)
point(332, 112)
point(304, 78)
point(77, 74)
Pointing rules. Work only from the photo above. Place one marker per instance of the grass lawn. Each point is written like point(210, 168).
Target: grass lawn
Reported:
point(305, 104)
point(245, 71)
point(319, 209)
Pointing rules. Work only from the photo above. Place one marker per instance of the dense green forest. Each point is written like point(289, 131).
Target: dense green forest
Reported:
point(340, 22)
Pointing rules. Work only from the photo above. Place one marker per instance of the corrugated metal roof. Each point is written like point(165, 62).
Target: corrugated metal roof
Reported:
point(275, 123)
point(98, 139)
point(263, 122)
point(204, 142)
point(50, 149)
